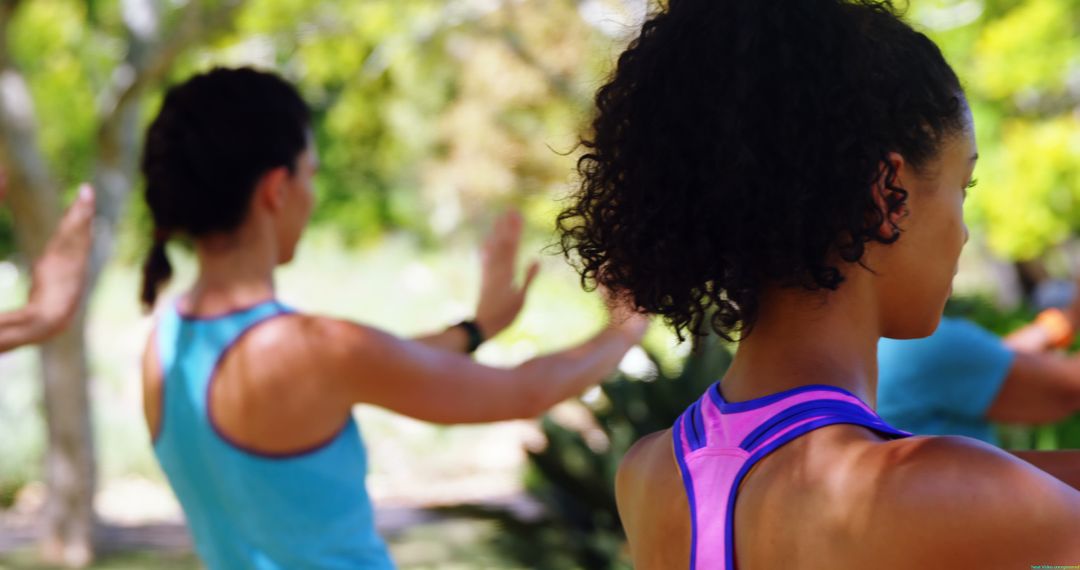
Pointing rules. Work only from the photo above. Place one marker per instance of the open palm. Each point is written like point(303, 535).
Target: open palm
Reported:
point(501, 299)
point(59, 276)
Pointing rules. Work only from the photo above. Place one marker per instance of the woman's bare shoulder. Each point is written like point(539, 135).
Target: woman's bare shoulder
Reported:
point(650, 458)
point(309, 340)
point(320, 349)
point(948, 502)
point(653, 505)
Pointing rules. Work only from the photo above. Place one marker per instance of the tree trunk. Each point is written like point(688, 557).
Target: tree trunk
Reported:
point(70, 467)
point(69, 459)
point(69, 462)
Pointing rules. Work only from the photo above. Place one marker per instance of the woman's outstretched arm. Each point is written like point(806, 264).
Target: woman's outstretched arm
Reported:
point(365, 365)
point(1062, 465)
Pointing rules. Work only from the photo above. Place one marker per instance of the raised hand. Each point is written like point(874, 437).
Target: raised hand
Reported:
point(59, 276)
point(500, 298)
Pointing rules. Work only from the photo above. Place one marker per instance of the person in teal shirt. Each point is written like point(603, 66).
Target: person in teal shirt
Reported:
point(249, 401)
point(963, 378)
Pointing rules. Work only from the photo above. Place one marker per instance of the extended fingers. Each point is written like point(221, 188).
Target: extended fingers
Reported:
point(530, 276)
point(74, 231)
point(81, 212)
point(500, 248)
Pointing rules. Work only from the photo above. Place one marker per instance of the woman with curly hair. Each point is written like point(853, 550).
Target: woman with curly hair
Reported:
point(792, 175)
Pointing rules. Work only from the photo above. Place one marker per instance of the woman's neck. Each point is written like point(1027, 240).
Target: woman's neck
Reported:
point(806, 338)
point(235, 271)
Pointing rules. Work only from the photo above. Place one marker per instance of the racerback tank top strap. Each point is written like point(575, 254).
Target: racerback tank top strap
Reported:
point(717, 442)
point(245, 508)
point(192, 347)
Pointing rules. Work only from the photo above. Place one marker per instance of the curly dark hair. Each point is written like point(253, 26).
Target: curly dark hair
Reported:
point(736, 147)
point(216, 134)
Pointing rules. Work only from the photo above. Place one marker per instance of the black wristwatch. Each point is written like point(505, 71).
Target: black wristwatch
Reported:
point(476, 338)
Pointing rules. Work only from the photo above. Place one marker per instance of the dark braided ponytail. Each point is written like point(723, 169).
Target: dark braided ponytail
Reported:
point(215, 136)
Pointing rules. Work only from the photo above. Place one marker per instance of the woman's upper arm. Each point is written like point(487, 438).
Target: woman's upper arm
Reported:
point(153, 385)
point(1039, 388)
point(958, 503)
point(1063, 465)
point(653, 506)
point(369, 366)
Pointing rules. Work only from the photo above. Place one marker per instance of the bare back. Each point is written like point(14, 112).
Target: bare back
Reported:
point(842, 497)
point(719, 464)
point(269, 393)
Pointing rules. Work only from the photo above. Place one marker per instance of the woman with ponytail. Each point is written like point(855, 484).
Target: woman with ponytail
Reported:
point(792, 175)
point(249, 401)
point(156, 269)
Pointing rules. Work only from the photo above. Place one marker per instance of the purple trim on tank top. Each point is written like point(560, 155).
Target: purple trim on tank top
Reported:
point(813, 407)
point(696, 425)
point(283, 455)
point(190, 318)
point(730, 407)
point(764, 451)
point(688, 484)
point(292, 454)
point(161, 398)
point(231, 313)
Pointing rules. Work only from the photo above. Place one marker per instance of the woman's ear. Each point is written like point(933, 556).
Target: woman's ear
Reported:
point(888, 193)
point(270, 189)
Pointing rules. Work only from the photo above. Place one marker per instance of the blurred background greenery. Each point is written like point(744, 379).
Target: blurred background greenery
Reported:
point(431, 117)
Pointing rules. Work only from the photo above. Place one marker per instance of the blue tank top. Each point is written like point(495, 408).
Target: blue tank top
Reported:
point(252, 510)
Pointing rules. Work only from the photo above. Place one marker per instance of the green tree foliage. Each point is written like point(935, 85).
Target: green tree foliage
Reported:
point(65, 63)
point(429, 114)
point(1020, 61)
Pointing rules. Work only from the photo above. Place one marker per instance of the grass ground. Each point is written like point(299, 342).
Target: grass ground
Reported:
point(25, 560)
point(453, 544)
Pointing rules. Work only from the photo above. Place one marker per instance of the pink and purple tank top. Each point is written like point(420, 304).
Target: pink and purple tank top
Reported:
point(717, 443)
